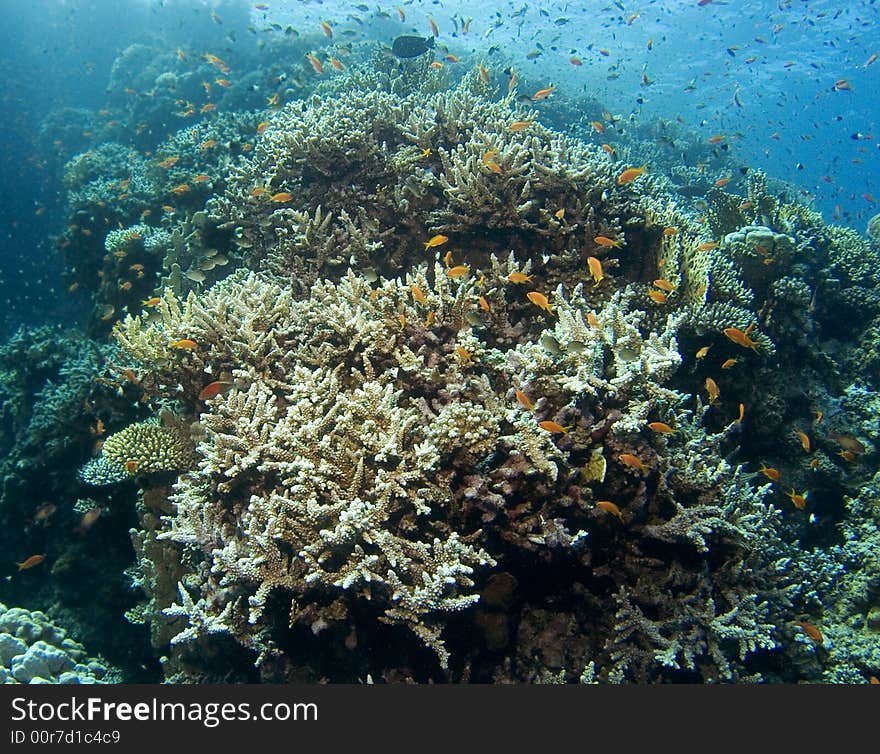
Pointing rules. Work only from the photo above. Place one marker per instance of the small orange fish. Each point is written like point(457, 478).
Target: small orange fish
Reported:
point(597, 126)
point(484, 74)
point(560, 213)
point(664, 285)
point(223, 82)
point(708, 246)
point(131, 466)
point(540, 300)
point(814, 633)
point(701, 352)
point(658, 297)
point(593, 320)
point(467, 357)
point(484, 305)
point(742, 413)
point(434, 30)
point(661, 428)
point(670, 231)
point(208, 144)
point(717, 139)
point(327, 29)
point(574, 60)
point(524, 399)
point(281, 197)
point(337, 64)
point(94, 513)
point(437, 240)
point(459, 271)
point(33, 560)
point(201, 178)
point(168, 162)
point(418, 294)
point(208, 107)
point(630, 174)
point(799, 500)
point(520, 125)
point(154, 301)
point(543, 93)
point(728, 363)
point(608, 149)
point(553, 427)
point(608, 242)
point(316, 64)
point(519, 278)
point(213, 389)
point(609, 507)
point(740, 337)
point(181, 189)
point(771, 473)
point(184, 344)
point(805, 440)
point(848, 442)
point(722, 182)
point(634, 462)
point(712, 390)
point(436, 65)
point(596, 271)
point(262, 126)
point(217, 63)
point(450, 58)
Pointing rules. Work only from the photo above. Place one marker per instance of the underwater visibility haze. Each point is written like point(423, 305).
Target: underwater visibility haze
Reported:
point(531, 342)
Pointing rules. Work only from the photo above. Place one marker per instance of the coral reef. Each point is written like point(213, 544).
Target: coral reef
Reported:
point(33, 649)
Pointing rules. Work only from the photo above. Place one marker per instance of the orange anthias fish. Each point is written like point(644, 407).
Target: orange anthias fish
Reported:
point(540, 300)
point(213, 389)
point(712, 390)
point(168, 162)
point(184, 344)
point(664, 285)
point(181, 189)
point(658, 297)
point(524, 399)
point(418, 294)
point(630, 174)
point(520, 125)
point(661, 428)
point(33, 560)
point(812, 631)
point(437, 240)
point(217, 63)
point(553, 427)
point(804, 439)
point(608, 242)
point(262, 126)
point(633, 461)
point(609, 507)
point(519, 278)
point(316, 64)
point(459, 271)
point(799, 500)
point(741, 337)
point(327, 29)
point(543, 93)
point(596, 271)
point(768, 471)
point(281, 197)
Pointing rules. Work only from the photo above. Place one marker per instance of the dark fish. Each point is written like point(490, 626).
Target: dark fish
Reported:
point(408, 46)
